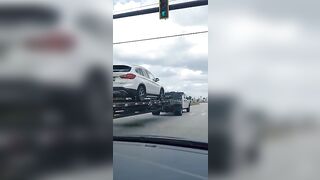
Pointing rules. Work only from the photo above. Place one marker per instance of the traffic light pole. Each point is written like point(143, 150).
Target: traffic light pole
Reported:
point(184, 5)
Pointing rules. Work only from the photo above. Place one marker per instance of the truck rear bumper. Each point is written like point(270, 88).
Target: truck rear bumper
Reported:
point(171, 108)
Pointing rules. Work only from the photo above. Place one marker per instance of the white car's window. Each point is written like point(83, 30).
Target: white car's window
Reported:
point(121, 68)
point(151, 75)
point(139, 71)
point(145, 73)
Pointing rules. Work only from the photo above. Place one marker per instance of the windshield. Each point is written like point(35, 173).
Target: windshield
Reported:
point(178, 58)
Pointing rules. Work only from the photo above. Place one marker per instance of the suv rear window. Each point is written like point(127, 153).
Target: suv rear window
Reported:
point(121, 68)
point(174, 95)
point(27, 14)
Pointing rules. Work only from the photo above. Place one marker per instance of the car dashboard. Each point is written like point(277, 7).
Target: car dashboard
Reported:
point(137, 161)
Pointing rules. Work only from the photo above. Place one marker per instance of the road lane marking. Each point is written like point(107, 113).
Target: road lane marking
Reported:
point(170, 168)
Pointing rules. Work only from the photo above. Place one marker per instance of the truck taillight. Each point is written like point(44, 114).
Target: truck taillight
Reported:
point(128, 76)
point(56, 42)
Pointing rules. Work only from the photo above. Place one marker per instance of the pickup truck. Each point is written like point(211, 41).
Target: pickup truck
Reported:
point(177, 102)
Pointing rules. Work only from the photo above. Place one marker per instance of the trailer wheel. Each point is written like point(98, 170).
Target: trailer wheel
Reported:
point(178, 111)
point(156, 113)
point(188, 109)
point(161, 95)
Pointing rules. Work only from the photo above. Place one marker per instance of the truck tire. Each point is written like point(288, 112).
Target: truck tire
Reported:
point(188, 109)
point(178, 111)
point(141, 93)
point(156, 113)
point(161, 95)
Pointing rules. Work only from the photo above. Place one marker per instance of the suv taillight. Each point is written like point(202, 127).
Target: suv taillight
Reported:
point(128, 76)
point(56, 42)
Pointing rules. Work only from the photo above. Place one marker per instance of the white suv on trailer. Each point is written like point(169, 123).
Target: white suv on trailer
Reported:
point(135, 82)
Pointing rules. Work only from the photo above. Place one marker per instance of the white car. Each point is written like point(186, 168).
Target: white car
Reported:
point(57, 48)
point(135, 82)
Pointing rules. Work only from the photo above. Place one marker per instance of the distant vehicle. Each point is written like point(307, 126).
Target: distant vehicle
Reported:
point(177, 102)
point(135, 82)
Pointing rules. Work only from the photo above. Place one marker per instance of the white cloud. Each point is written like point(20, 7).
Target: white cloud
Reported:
point(243, 30)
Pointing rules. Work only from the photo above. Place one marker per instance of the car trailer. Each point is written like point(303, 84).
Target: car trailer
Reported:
point(131, 108)
point(123, 107)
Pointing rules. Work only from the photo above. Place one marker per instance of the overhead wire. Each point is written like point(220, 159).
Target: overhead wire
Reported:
point(161, 37)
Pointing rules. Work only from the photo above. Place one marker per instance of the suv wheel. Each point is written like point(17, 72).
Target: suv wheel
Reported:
point(141, 93)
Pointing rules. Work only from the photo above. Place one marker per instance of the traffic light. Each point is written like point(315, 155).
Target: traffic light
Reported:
point(164, 9)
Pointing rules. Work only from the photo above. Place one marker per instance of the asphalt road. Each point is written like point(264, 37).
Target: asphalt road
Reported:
point(191, 126)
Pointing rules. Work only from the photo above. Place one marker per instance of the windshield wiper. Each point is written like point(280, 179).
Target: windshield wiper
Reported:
point(171, 141)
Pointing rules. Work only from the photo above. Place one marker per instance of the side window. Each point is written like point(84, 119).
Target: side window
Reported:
point(145, 73)
point(151, 75)
point(139, 71)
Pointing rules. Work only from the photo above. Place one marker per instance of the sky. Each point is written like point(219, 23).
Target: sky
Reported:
point(267, 52)
point(180, 63)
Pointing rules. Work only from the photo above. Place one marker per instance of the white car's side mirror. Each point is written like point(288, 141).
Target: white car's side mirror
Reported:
point(156, 79)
